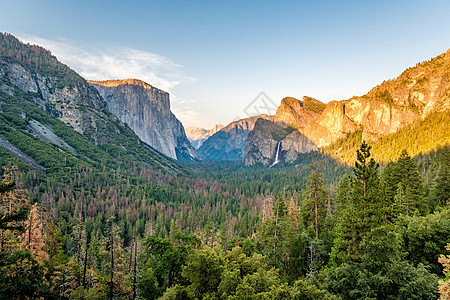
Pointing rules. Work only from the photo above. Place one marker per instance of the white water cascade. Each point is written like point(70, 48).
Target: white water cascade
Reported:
point(277, 155)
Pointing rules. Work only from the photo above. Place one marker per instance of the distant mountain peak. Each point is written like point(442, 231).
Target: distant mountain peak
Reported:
point(198, 135)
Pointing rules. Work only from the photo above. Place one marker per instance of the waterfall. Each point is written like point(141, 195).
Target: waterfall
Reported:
point(277, 155)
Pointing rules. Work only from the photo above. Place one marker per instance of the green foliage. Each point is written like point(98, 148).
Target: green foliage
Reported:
point(203, 271)
point(440, 191)
point(280, 134)
point(425, 238)
point(314, 205)
point(419, 137)
point(38, 59)
point(364, 211)
point(385, 96)
point(20, 276)
point(163, 263)
point(397, 280)
point(403, 186)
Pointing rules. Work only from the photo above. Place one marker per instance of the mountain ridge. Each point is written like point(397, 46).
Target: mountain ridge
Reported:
point(229, 142)
point(416, 93)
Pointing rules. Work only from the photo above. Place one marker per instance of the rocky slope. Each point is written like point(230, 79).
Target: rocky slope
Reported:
point(76, 104)
point(31, 78)
point(197, 136)
point(283, 129)
point(229, 142)
point(146, 110)
point(416, 93)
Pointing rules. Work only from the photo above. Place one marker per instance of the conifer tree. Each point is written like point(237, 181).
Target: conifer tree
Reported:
point(365, 209)
point(403, 174)
point(440, 191)
point(315, 204)
point(14, 208)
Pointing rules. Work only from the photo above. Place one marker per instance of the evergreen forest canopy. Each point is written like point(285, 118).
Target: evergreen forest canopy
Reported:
point(313, 231)
point(118, 221)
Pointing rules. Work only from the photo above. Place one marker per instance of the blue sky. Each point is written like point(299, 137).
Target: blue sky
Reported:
point(215, 57)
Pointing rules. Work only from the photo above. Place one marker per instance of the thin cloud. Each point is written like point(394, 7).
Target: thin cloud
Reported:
point(183, 109)
point(99, 62)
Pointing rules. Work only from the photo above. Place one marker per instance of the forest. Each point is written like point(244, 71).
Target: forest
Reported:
point(117, 220)
point(313, 230)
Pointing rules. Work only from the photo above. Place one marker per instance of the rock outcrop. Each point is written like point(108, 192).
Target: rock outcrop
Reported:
point(291, 116)
point(416, 93)
point(77, 104)
point(197, 136)
point(146, 110)
point(229, 142)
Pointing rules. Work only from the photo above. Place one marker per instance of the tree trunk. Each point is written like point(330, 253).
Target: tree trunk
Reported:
point(85, 264)
point(276, 227)
point(79, 241)
point(316, 212)
point(135, 268)
point(111, 288)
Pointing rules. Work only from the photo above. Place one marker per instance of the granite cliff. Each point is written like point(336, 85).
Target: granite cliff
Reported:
point(281, 133)
point(388, 107)
point(146, 110)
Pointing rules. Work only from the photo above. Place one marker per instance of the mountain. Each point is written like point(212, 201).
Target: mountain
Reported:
point(146, 110)
point(281, 134)
point(410, 98)
point(229, 142)
point(197, 135)
point(52, 116)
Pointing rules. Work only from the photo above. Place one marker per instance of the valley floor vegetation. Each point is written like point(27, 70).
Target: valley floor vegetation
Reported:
point(313, 230)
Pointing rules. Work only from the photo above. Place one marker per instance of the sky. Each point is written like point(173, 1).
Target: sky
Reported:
point(225, 60)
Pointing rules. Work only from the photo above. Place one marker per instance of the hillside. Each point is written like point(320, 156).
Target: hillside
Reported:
point(420, 137)
point(415, 95)
point(36, 87)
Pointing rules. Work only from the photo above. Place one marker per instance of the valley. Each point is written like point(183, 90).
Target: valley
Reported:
point(104, 195)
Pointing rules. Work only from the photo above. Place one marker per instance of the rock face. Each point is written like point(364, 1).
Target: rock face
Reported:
point(78, 104)
point(298, 113)
point(197, 136)
point(416, 93)
point(291, 115)
point(229, 142)
point(146, 110)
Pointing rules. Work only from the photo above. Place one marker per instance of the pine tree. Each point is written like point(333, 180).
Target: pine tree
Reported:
point(405, 175)
point(315, 204)
point(14, 208)
point(440, 191)
point(34, 237)
point(365, 209)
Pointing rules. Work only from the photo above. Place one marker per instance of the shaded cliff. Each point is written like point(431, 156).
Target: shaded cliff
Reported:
point(146, 110)
point(291, 115)
point(229, 142)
